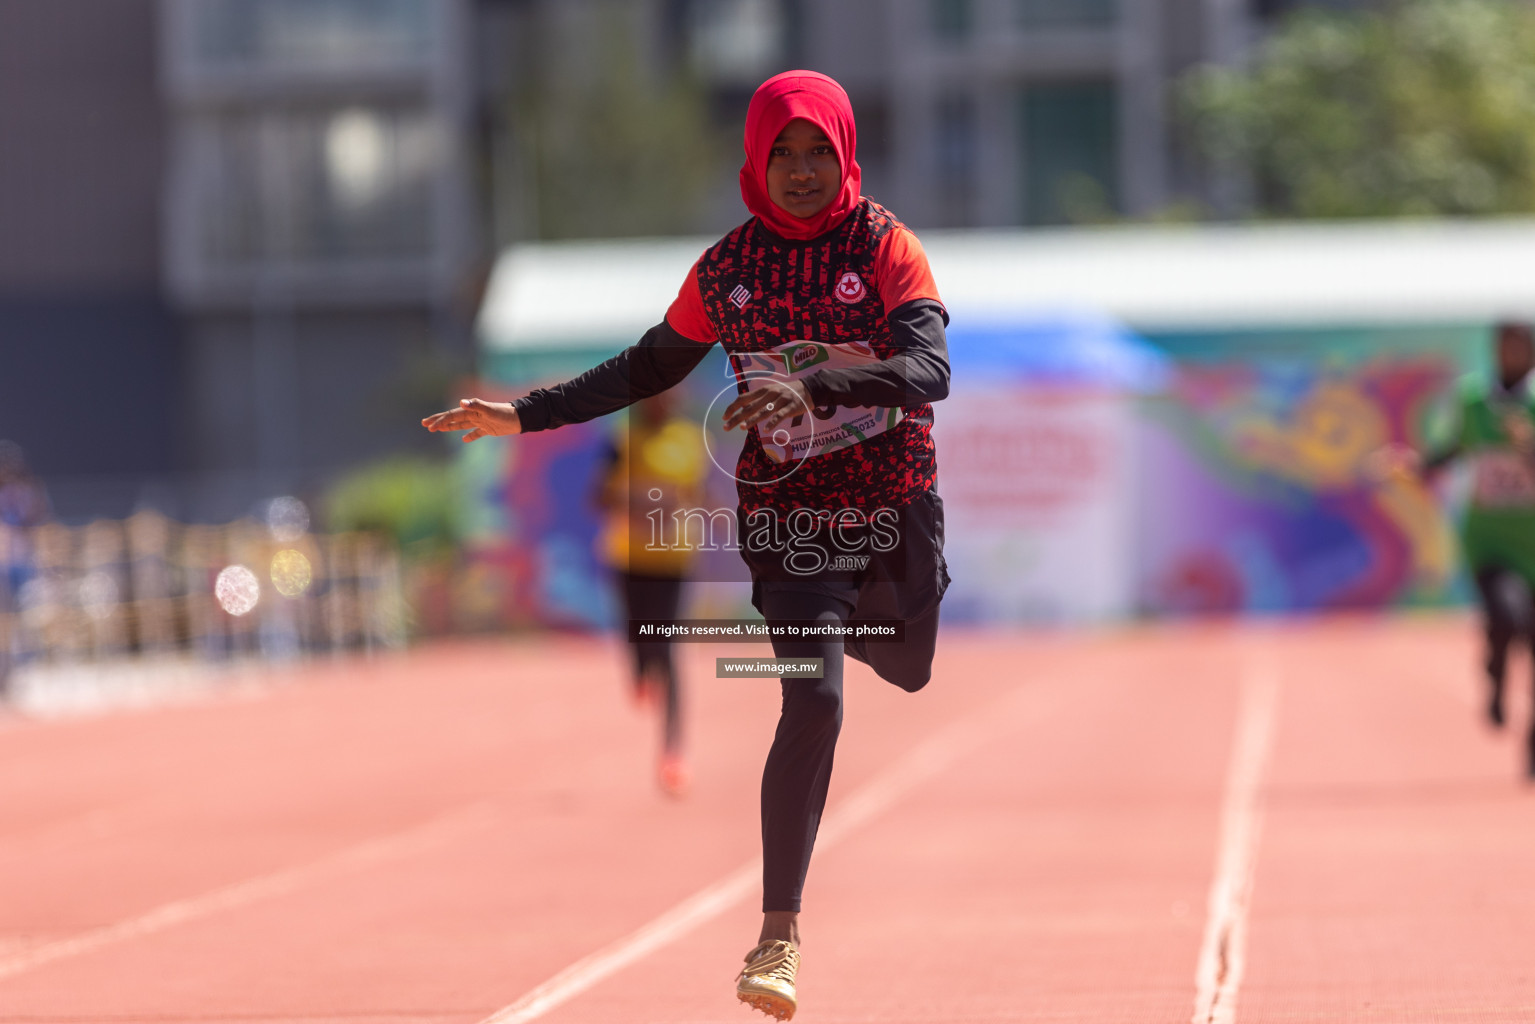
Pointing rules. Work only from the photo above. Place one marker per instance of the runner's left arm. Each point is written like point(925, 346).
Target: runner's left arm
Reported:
point(916, 374)
point(918, 371)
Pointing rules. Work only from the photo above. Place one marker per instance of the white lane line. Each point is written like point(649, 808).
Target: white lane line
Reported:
point(169, 915)
point(867, 803)
point(1222, 955)
point(674, 923)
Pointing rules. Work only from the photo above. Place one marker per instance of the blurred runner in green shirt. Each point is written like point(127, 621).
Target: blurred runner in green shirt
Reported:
point(1494, 430)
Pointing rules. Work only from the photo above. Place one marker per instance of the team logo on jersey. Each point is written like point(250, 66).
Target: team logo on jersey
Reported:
point(850, 288)
point(740, 297)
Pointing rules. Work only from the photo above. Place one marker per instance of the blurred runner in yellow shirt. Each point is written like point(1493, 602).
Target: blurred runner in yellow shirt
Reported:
point(653, 470)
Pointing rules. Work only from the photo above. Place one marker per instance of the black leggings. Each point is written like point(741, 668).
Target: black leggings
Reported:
point(798, 770)
point(1505, 618)
point(657, 597)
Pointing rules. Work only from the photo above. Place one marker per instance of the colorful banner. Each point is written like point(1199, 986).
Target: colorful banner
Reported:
point(1086, 476)
point(531, 528)
point(1254, 492)
point(1038, 488)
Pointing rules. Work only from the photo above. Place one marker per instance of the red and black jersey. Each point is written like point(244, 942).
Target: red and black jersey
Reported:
point(866, 280)
point(753, 291)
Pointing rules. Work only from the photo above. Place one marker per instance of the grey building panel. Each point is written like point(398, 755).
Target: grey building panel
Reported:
point(343, 170)
point(319, 226)
point(851, 42)
point(90, 371)
point(292, 397)
point(361, 395)
point(220, 367)
point(105, 115)
point(80, 160)
point(964, 59)
point(1143, 114)
point(90, 382)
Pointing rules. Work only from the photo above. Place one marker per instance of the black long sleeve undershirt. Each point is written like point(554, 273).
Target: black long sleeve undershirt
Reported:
point(917, 373)
point(661, 359)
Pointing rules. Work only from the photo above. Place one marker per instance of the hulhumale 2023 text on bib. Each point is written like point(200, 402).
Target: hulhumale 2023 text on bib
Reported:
point(824, 429)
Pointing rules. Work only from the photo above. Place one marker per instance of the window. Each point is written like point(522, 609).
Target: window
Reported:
point(737, 40)
point(1067, 13)
point(951, 18)
point(312, 33)
point(956, 157)
point(327, 185)
point(1281, 8)
point(1070, 152)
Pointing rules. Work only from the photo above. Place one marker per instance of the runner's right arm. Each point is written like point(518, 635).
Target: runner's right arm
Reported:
point(1446, 433)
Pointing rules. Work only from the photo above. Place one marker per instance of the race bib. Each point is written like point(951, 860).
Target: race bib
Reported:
point(823, 430)
point(1504, 479)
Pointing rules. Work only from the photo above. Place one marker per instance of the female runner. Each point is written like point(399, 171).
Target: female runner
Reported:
point(826, 305)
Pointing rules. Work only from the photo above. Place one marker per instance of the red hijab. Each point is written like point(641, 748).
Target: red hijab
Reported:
point(821, 101)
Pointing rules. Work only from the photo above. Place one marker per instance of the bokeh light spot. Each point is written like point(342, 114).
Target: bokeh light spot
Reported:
point(237, 589)
point(291, 573)
point(98, 595)
point(287, 518)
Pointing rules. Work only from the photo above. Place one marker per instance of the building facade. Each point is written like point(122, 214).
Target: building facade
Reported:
point(1003, 113)
point(993, 113)
point(319, 221)
point(243, 237)
point(90, 347)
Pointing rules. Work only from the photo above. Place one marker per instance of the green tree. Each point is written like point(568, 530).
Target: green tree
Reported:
point(1420, 107)
point(412, 500)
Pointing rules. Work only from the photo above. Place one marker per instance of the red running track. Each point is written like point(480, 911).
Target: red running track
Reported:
point(1301, 822)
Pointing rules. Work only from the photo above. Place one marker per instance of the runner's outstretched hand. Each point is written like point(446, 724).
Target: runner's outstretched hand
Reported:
point(1393, 462)
point(479, 417)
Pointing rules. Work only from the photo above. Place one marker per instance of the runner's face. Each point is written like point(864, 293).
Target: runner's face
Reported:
point(1516, 354)
point(803, 175)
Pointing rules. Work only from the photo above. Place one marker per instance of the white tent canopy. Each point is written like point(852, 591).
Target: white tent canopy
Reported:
point(569, 294)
